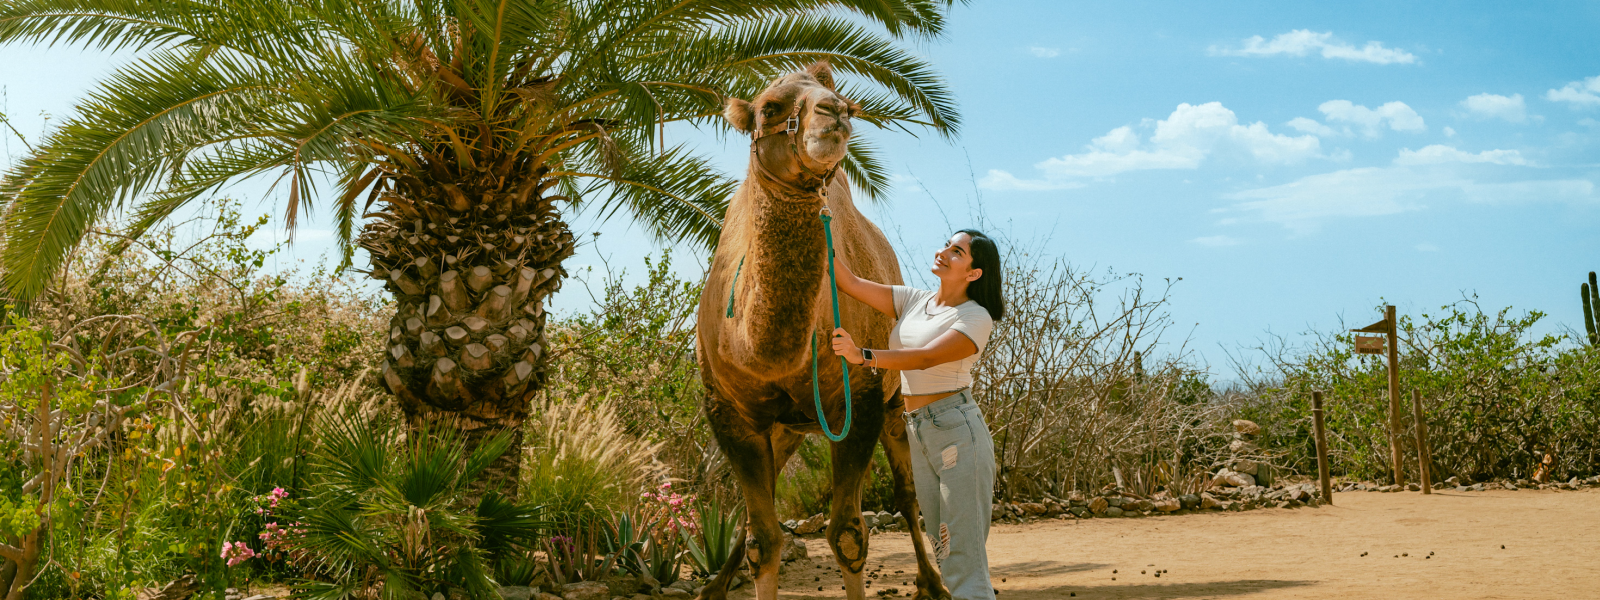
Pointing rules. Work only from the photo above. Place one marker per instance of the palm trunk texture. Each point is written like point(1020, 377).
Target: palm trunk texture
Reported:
point(469, 266)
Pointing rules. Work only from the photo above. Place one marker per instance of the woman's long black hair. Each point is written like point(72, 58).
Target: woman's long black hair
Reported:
point(986, 291)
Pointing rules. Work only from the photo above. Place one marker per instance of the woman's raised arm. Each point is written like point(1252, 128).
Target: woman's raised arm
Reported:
point(871, 293)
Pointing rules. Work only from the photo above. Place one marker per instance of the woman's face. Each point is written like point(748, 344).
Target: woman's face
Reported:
point(953, 262)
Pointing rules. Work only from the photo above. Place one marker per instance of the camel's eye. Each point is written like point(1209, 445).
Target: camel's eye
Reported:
point(770, 109)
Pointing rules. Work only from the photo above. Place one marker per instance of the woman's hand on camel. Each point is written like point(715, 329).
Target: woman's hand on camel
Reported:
point(844, 345)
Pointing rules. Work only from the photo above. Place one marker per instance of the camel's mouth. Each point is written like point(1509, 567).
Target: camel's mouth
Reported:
point(828, 144)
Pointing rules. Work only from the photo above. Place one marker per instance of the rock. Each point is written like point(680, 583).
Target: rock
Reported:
point(1079, 511)
point(1389, 488)
point(869, 519)
point(1189, 501)
point(1077, 499)
point(1098, 506)
point(1414, 487)
point(793, 549)
point(1228, 478)
point(790, 524)
point(1248, 467)
point(1116, 502)
point(1168, 505)
point(1139, 505)
point(549, 596)
point(440, 596)
point(518, 592)
point(811, 525)
point(1246, 427)
point(1033, 509)
point(1452, 482)
point(623, 585)
point(1113, 512)
point(641, 597)
point(1208, 502)
point(585, 590)
point(996, 512)
point(1242, 447)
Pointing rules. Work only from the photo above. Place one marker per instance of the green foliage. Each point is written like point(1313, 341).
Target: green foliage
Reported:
point(177, 477)
point(710, 547)
point(580, 465)
point(807, 485)
point(1497, 399)
point(432, 91)
point(398, 510)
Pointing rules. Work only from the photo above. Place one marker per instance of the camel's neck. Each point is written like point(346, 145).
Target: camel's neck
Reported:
point(789, 256)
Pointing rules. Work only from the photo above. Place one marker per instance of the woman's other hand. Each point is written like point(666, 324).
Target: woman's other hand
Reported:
point(844, 345)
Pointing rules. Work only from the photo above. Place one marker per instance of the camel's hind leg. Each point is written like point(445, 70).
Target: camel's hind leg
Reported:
point(751, 455)
point(930, 583)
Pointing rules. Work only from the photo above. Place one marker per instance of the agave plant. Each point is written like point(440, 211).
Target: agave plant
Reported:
point(392, 515)
point(711, 546)
point(459, 136)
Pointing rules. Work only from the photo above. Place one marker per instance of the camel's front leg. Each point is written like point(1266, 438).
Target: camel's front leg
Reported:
point(847, 533)
point(930, 583)
point(751, 455)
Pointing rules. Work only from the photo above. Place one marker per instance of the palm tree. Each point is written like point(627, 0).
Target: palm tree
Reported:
point(462, 132)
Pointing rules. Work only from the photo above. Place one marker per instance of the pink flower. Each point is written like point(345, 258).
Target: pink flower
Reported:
point(236, 552)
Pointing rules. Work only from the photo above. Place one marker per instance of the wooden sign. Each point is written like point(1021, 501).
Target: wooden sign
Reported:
point(1369, 344)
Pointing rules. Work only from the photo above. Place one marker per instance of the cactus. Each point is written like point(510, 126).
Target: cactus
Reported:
point(1591, 306)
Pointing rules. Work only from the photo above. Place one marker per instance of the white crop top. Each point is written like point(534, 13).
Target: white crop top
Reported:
point(916, 329)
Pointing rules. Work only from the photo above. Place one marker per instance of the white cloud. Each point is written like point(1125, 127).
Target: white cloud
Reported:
point(1438, 154)
point(1042, 52)
point(1301, 42)
point(1216, 241)
point(1371, 121)
point(1449, 131)
point(1311, 126)
point(1580, 94)
point(1491, 106)
point(1001, 180)
point(1181, 141)
point(1377, 191)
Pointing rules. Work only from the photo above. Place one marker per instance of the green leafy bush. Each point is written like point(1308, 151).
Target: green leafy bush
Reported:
point(394, 516)
point(1498, 398)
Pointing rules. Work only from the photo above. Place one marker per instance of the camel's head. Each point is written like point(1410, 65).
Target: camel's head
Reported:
point(822, 134)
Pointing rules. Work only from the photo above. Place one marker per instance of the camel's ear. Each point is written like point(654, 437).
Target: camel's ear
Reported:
point(822, 70)
point(740, 114)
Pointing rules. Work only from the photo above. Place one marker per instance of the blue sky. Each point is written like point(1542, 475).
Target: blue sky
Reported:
point(1293, 164)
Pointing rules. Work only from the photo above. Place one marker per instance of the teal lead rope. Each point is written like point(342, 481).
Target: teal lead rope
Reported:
point(844, 367)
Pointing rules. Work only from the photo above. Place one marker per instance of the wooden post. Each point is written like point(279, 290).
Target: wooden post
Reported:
point(1322, 447)
point(1424, 454)
point(1394, 398)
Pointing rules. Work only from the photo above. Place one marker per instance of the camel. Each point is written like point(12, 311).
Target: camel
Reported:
point(767, 301)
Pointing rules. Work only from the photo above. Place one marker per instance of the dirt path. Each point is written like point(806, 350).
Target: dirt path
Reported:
point(1551, 539)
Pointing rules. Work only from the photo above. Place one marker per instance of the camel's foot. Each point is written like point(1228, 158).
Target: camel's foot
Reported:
point(931, 590)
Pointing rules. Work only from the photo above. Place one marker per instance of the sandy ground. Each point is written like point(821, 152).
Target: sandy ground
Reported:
point(1551, 539)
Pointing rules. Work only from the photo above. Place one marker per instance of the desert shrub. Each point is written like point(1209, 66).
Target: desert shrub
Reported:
point(1067, 392)
point(218, 369)
point(806, 486)
point(393, 515)
point(1497, 397)
point(636, 349)
point(580, 464)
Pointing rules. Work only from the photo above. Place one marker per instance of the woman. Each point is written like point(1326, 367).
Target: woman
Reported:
point(936, 339)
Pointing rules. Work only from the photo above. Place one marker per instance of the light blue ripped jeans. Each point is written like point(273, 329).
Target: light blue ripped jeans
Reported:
point(952, 459)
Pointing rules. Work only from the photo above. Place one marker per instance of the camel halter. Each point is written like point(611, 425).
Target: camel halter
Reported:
point(791, 128)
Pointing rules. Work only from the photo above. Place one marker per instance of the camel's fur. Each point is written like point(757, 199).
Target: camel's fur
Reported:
point(756, 364)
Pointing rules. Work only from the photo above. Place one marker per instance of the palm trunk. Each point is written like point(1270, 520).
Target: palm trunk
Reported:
point(469, 267)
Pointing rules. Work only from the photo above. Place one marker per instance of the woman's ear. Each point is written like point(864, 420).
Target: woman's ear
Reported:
point(974, 275)
point(740, 115)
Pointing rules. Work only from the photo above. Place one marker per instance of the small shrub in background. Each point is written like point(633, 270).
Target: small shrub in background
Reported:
point(581, 466)
point(1498, 399)
point(253, 359)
